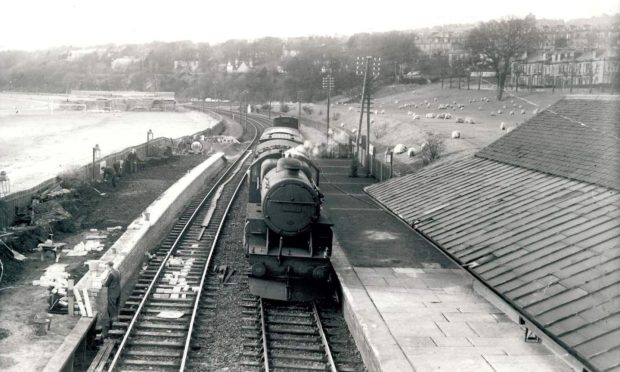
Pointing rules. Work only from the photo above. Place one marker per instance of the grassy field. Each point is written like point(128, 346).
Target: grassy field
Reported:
point(36, 145)
point(399, 127)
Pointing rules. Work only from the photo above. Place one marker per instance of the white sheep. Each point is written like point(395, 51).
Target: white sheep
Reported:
point(512, 112)
point(399, 148)
point(447, 116)
point(430, 115)
point(509, 129)
point(502, 126)
point(470, 121)
point(350, 108)
point(523, 112)
point(341, 125)
point(456, 134)
point(441, 116)
point(499, 112)
point(376, 112)
point(504, 107)
point(416, 117)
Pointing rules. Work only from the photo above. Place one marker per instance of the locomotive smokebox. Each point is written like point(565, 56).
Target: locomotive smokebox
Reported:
point(290, 201)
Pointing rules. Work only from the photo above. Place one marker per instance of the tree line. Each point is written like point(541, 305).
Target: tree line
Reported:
point(280, 67)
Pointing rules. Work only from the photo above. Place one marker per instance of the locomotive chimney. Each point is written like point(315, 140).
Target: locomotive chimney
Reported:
point(290, 165)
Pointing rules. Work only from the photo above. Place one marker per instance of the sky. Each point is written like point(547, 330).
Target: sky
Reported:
point(40, 24)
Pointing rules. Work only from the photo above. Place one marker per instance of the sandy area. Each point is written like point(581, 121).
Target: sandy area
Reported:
point(37, 145)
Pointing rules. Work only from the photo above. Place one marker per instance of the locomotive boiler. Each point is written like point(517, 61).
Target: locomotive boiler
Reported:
point(288, 242)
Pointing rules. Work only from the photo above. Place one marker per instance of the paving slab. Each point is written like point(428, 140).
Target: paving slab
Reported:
point(408, 306)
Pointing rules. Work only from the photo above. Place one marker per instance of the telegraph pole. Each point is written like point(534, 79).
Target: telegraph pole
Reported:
point(372, 67)
point(328, 83)
point(358, 71)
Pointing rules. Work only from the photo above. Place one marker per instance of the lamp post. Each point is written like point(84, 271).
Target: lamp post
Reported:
point(149, 137)
point(5, 184)
point(300, 94)
point(96, 155)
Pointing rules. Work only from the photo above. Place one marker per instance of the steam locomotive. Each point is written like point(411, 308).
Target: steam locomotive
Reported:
point(287, 241)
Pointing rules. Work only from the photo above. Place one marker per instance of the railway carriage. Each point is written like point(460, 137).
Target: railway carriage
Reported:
point(287, 240)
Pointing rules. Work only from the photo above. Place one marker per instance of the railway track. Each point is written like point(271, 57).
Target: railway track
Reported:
point(156, 323)
point(185, 281)
point(293, 337)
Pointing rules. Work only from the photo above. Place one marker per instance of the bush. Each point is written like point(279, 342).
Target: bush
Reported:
point(284, 108)
point(434, 146)
point(265, 106)
point(380, 130)
point(336, 116)
point(353, 167)
point(308, 110)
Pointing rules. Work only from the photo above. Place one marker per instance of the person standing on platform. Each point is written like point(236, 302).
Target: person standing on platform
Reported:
point(113, 282)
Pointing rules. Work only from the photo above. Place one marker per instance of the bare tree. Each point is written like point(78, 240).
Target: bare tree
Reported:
point(501, 42)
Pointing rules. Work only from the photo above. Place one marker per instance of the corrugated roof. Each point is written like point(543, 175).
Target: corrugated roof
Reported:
point(531, 227)
point(577, 138)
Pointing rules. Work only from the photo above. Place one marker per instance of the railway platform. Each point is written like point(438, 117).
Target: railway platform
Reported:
point(408, 306)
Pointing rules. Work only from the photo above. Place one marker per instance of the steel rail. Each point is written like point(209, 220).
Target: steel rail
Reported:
point(172, 248)
point(264, 331)
point(208, 262)
point(319, 325)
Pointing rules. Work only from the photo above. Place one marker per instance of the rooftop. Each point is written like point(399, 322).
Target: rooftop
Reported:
point(536, 216)
point(576, 138)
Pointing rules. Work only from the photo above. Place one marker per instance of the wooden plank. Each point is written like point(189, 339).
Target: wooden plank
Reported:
point(78, 298)
point(89, 309)
point(70, 296)
point(98, 364)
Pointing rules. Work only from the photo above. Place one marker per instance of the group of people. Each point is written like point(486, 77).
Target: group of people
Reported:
point(130, 165)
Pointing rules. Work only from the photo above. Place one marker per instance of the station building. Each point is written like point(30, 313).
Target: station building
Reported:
point(535, 216)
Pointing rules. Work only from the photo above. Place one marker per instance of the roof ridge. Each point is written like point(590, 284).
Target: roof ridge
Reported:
point(593, 97)
point(582, 123)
